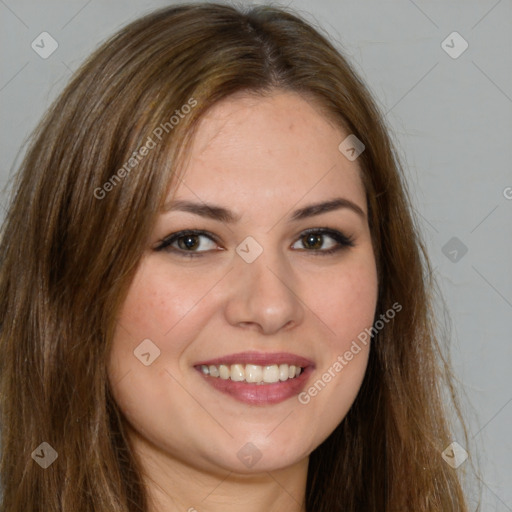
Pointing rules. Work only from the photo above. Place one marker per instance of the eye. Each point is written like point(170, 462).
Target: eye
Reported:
point(313, 241)
point(187, 243)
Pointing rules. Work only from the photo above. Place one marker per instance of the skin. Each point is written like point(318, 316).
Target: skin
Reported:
point(262, 158)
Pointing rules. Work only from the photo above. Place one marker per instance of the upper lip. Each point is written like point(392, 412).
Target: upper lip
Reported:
point(259, 358)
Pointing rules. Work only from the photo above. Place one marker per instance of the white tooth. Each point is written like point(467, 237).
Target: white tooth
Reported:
point(283, 372)
point(224, 372)
point(253, 373)
point(271, 373)
point(237, 372)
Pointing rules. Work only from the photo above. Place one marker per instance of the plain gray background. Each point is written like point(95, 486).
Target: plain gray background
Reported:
point(452, 121)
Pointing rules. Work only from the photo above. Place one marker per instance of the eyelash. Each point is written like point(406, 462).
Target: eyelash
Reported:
point(342, 241)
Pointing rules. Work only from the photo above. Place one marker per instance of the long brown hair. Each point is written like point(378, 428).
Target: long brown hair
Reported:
point(76, 228)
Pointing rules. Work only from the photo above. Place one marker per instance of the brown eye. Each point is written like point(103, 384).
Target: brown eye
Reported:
point(313, 241)
point(187, 243)
point(323, 241)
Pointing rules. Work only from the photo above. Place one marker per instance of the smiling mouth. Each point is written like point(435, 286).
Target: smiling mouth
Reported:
point(257, 378)
point(252, 373)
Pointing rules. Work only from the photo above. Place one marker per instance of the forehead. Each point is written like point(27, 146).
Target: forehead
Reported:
point(257, 150)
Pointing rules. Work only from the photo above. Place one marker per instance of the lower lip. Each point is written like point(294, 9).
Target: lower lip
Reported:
point(260, 394)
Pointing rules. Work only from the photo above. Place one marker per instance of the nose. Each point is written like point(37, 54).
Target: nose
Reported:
point(262, 295)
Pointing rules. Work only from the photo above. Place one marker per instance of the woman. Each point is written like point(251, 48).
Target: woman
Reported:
point(214, 294)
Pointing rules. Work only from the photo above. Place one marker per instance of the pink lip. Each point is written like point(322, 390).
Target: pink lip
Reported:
point(260, 394)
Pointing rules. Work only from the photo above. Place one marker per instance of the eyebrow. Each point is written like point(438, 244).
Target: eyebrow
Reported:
point(219, 213)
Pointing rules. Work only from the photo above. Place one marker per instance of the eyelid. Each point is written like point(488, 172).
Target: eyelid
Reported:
point(166, 242)
point(342, 240)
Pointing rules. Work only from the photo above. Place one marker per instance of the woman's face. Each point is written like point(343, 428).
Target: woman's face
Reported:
point(267, 283)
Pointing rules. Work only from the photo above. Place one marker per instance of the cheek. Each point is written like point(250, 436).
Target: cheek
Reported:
point(167, 308)
point(158, 307)
point(153, 306)
point(345, 301)
point(157, 301)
